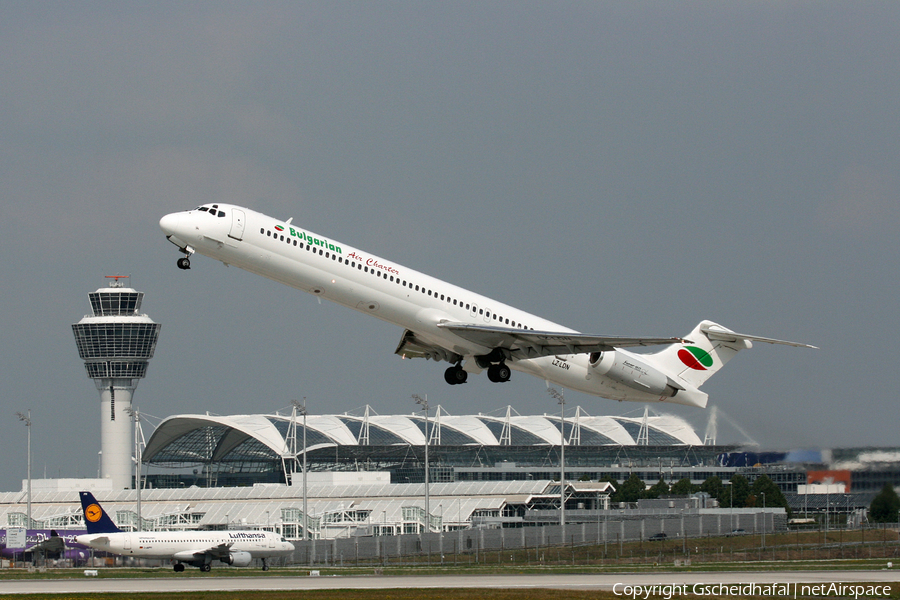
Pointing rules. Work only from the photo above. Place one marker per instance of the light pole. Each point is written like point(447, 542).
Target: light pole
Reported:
point(763, 494)
point(731, 507)
point(423, 402)
point(27, 420)
point(301, 408)
point(441, 533)
point(560, 398)
point(138, 457)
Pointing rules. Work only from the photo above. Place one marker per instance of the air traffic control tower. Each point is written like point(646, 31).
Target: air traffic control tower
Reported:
point(116, 343)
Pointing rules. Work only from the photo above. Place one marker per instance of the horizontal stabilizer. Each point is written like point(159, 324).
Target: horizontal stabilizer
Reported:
point(717, 332)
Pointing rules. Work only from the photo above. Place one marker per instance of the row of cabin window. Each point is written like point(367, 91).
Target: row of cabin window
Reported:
point(378, 273)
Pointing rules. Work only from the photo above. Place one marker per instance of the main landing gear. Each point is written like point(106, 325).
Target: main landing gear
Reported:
point(499, 373)
point(455, 375)
point(184, 263)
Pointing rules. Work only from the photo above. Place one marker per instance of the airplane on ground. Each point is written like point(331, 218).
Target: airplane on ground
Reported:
point(443, 322)
point(45, 543)
point(195, 548)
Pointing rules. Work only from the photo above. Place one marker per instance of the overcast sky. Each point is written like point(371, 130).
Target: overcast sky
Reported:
point(624, 168)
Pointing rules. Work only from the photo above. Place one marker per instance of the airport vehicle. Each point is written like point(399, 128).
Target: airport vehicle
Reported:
point(195, 548)
point(443, 322)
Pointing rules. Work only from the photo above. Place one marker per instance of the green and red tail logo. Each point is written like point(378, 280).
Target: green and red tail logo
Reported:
point(695, 358)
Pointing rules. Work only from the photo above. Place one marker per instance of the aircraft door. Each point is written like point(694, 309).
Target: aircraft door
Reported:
point(237, 224)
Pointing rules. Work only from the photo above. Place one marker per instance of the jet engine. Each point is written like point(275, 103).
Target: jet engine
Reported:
point(238, 559)
point(628, 370)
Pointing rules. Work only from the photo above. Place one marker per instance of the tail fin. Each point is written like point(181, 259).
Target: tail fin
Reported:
point(706, 350)
point(95, 518)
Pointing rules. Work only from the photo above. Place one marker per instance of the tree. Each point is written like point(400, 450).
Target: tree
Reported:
point(715, 488)
point(739, 492)
point(683, 487)
point(774, 497)
point(631, 489)
point(660, 488)
point(885, 507)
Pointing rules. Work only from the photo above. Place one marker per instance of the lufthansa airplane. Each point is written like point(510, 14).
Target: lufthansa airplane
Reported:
point(196, 548)
point(443, 322)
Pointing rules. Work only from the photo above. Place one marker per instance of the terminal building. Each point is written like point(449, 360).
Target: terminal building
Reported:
point(366, 476)
point(241, 450)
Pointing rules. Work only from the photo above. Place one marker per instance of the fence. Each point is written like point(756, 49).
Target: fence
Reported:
point(604, 527)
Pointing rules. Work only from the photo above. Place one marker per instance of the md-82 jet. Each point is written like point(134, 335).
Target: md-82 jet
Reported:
point(443, 322)
point(196, 548)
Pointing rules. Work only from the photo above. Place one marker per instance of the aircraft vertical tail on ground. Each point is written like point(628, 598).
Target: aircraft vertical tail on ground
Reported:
point(95, 518)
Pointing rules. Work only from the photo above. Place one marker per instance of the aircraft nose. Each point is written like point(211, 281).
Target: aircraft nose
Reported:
point(169, 223)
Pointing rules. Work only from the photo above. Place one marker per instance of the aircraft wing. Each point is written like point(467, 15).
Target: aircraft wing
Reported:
point(220, 551)
point(527, 343)
point(52, 545)
point(411, 346)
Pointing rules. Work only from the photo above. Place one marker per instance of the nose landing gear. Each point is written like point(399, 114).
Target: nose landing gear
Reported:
point(184, 263)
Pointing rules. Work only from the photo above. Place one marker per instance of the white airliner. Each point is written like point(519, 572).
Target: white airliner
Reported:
point(196, 548)
point(444, 322)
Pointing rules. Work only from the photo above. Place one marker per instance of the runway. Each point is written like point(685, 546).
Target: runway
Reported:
point(603, 581)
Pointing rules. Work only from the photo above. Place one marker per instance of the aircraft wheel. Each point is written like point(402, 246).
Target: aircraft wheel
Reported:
point(184, 263)
point(206, 568)
point(499, 373)
point(455, 375)
point(178, 567)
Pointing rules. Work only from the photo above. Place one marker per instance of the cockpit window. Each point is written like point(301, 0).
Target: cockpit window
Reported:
point(214, 211)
